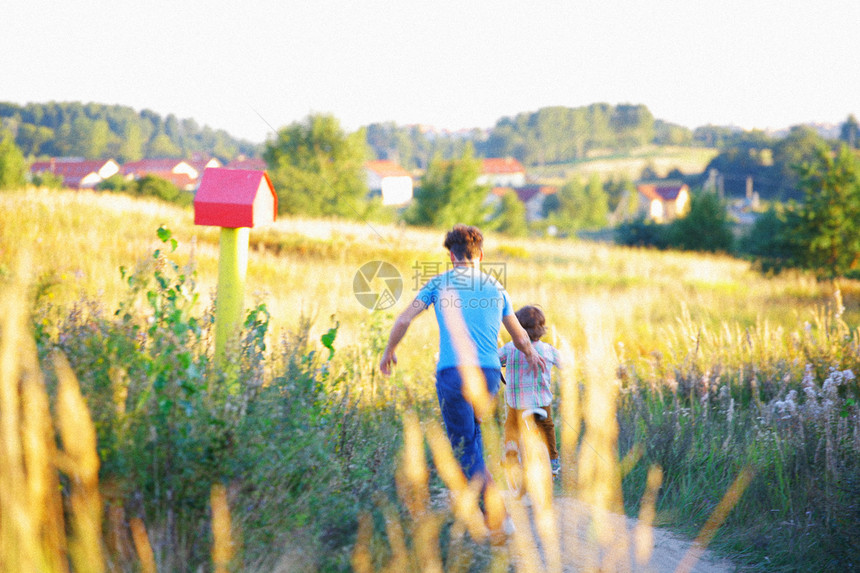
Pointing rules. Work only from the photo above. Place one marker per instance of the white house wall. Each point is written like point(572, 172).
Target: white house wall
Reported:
point(503, 179)
point(396, 190)
point(108, 169)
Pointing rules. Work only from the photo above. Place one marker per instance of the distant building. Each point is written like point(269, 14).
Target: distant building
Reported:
point(178, 171)
point(664, 201)
point(202, 163)
point(77, 173)
point(502, 172)
point(250, 163)
point(532, 196)
point(390, 181)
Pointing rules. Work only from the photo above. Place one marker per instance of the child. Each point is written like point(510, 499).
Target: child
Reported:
point(526, 390)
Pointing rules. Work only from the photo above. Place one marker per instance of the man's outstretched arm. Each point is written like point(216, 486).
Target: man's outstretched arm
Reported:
point(521, 340)
point(398, 331)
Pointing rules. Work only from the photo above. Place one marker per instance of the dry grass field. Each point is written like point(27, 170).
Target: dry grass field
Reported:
point(687, 372)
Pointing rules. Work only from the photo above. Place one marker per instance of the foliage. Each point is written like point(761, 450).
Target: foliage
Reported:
point(318, 169)
point(96, 131)
point(772, 164)
point(642, 232)
point(719, 406)
point(666, 133)
point(770, 242)
point(546, 136)
point(13, 167)
point(412, 146)
point(148, 186)
point(579, 207)
point(819, 233)
point(559, 134)
point(449, 194)
point(621, 193)
point(706, 227)
point(801, 146)
point(827, 223)
point(849, 132)
point(510, 216)
point(287, 433)
point(47, 179)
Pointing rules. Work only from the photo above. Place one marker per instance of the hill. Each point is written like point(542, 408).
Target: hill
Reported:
point(96, 131)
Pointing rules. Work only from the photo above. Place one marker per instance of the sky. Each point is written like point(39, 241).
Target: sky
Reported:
point(255, 66)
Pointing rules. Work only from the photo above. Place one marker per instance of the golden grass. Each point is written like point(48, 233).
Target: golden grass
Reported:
point(46, 524)
point(299, 266)
point(602, 302)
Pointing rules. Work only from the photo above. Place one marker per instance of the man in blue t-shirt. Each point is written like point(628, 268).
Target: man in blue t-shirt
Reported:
point(470, 308)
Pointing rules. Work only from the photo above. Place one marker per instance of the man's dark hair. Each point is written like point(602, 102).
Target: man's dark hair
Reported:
point(465, 242)
point(533, 321)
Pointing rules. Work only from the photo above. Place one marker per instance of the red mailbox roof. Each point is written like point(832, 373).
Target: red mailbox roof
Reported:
point(235, 198)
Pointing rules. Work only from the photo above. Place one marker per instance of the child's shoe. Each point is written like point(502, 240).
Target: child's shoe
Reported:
point(555, 465)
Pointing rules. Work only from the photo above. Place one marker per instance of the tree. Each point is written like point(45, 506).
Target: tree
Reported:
point(622, 197)
point(770, 242)
point(705, 228)
point(162, 146)
point(597, 204)
point(826, 226)
point(449, 193)
point(131, 143)
point(801, 146)
point(850, 132)
point(510, 217)
point(318, 169)
point(13, 166)
point(579, 207)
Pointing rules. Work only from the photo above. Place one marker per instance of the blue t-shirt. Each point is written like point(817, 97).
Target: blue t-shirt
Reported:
point(482, 302)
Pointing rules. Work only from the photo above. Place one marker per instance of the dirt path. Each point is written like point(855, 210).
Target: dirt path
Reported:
point(586, 545)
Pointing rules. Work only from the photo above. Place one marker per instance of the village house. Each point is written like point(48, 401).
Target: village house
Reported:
point(663, 201)
point(178, 171)
point(77, 173)
point(249, 163)
point(390, 181)
point(502, 172)
point(532, 196)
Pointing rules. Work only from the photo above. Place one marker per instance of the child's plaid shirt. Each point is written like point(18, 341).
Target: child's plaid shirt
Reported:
point(526, 390)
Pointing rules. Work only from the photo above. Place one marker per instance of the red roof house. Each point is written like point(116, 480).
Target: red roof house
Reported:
point(77, 173)
point(179, 172)
point(664, 200)
point(389, 180)
point(532, 196)
point(502, 172)
point(252, 163)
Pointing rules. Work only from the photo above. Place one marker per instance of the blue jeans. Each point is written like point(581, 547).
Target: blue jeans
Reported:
point(464, 431)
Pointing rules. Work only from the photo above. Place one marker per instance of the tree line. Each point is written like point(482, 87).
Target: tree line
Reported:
point(550, 135)
point(97, 131)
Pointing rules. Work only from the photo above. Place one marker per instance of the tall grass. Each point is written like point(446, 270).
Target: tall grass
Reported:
point(700, 395)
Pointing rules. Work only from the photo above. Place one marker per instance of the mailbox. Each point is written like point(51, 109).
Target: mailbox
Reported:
point(235, 198)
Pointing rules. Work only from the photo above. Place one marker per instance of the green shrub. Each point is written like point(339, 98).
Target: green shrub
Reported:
point(288, 431)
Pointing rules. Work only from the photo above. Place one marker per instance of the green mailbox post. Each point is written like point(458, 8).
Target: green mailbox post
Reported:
point(235, 200)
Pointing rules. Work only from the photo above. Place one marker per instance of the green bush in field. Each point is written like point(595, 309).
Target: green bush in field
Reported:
point(705, 229)
point(148, 186)
point(793, 423)
point(283, 429)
